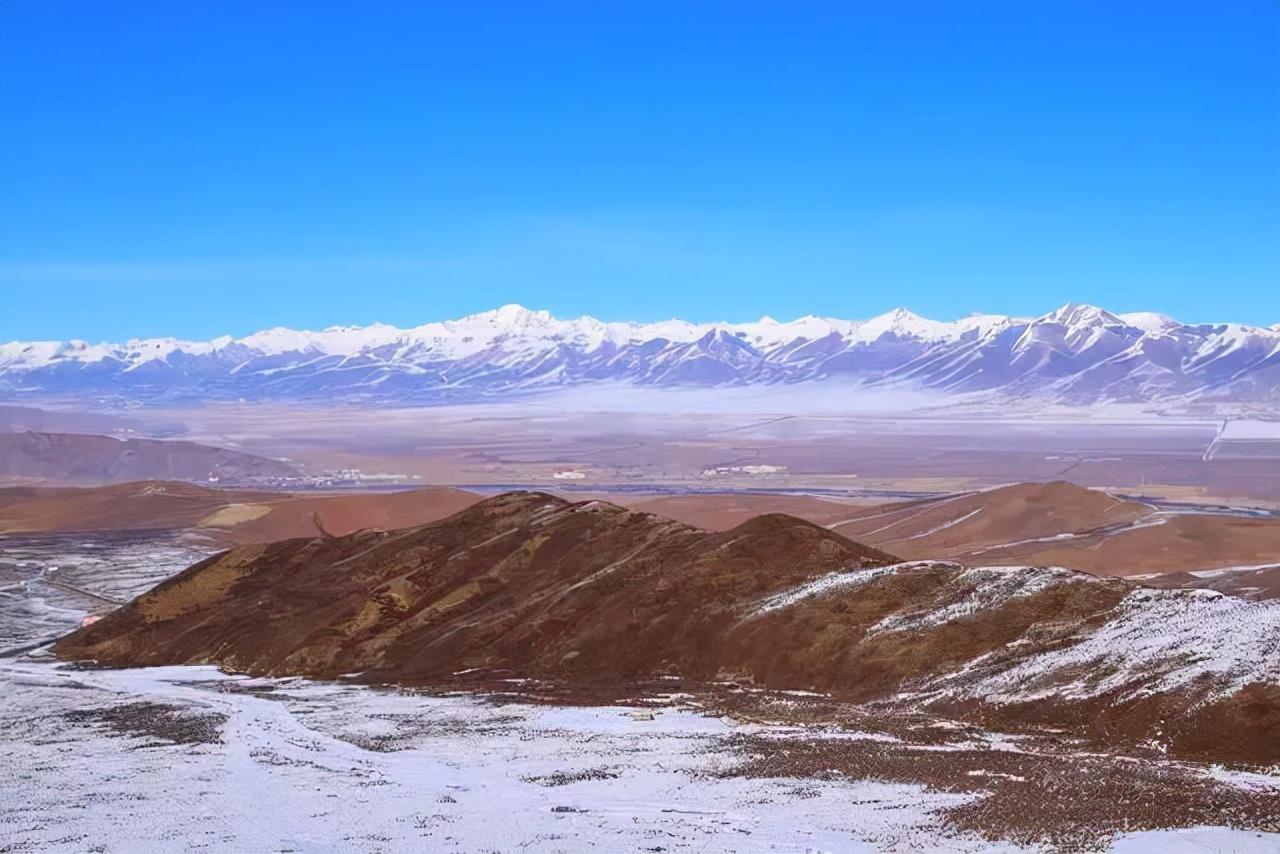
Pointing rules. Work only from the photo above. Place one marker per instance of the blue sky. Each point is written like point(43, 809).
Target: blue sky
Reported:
point(199, 168)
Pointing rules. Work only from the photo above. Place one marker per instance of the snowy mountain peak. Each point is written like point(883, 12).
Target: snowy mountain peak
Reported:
point(1074, 315)
point(1075, 354)
point(1150, 322)
point(902, 316)
point(901, 323)
point(512, 316)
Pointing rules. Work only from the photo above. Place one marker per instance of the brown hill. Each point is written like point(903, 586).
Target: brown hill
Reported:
point(722, 511)
point(232, 516)
point(1017, 511)
point(89, 459)
point(142, 505)
point(1184, 542)
point(19, 494)
point(1057, 524)
point(20, 419)
point(1248, 582)
point(522, 580)
point(336, 515)
point(1061, 524)
point(591, 592)
point(965, 522)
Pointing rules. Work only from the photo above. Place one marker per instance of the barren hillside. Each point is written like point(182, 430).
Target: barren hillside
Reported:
point(1057, 523)
point(591, 592)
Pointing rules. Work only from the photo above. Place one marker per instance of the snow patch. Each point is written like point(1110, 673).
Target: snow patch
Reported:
point(976, 590)
point(826, 584)
point(1155, 641)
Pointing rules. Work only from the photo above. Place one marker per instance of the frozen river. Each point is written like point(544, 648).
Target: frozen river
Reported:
point(48, 583)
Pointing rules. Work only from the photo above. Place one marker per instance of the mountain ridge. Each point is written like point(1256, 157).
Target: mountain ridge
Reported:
point(531, 585)
point(1075, 355)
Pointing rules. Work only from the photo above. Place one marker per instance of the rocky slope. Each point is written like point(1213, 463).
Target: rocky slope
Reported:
point(1075, 355)
point(529, 584)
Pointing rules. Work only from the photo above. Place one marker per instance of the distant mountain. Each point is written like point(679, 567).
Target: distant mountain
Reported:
point(80, 458)
point(1076, 355)
point(19, 419)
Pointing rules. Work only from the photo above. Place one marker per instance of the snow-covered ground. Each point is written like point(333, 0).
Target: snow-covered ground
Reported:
point(321, 767)
point(1157, 640)
point(1197, 840)
point(48, 583)
point(293, 765)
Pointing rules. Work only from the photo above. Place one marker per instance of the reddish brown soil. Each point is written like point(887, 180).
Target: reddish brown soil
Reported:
point(722, 512)
point(1255, 584)
point(337, 515)
point(18, 494)
point(1183, 543)
point(232, 516)
point(1047, 796)
point(974, 528)
point(993, 528)
point(141, 505)
point(1039, 787)
point(942, 527)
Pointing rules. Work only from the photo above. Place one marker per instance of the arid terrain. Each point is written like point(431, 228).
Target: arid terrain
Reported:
point(1055, 523)
point(240, 516)
point(685, 442)
point(702, 632)
point(654, 428)
point(774, 669)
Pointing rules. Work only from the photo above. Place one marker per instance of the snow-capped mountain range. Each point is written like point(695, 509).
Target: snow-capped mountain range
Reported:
point(1078, 354)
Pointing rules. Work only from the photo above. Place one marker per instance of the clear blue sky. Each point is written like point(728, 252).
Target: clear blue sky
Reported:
point(211, 166)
